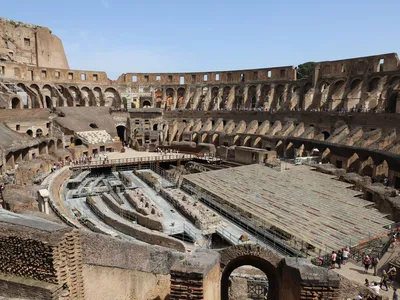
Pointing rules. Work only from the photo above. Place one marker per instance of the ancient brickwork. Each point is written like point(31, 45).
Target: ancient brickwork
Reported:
point(68, 262)
point(319, 292)
point(27, 258)
point(186, 286)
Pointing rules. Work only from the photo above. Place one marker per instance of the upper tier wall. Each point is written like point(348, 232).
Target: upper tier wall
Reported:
point(31, 44)
point(346, 68)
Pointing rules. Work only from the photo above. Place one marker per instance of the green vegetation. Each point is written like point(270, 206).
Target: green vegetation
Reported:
point(305, 70)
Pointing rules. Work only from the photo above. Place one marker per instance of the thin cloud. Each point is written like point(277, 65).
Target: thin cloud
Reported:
point(105, 3)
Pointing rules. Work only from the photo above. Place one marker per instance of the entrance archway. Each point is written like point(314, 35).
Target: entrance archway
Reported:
point(255, 256)
point(121, 133)
point(49, 103)
point(146, 103)
point(15, 103)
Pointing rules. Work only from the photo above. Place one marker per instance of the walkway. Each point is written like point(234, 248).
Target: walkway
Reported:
point(355, 272)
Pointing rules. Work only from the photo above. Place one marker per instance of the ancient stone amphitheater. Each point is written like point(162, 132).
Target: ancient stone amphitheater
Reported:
point(161, 185)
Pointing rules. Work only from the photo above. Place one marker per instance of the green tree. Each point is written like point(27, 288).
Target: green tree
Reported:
point(125, 102)
point(305, 70)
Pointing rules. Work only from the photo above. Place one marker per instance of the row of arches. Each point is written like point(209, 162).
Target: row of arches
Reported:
point(49, 96)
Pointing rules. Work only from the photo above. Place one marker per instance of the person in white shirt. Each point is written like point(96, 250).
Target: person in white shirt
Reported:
point(375, 288)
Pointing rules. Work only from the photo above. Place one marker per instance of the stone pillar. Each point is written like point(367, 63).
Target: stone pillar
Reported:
point(43, 201)
point(174, 99)
point(219, 97)
point(245, 95)
point(258, 94)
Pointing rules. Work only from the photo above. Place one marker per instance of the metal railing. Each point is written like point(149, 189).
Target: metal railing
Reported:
point(132, 160)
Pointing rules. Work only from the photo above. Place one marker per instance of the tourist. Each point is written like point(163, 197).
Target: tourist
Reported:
point(339, 259)
point(345, 255)
point(375, 287)
point(384, 279)
point(366, 282)
point(395, 295)
point(367, 263)
point(360, 296)
point(392, 275)
point(333, 259)
point(374, 263)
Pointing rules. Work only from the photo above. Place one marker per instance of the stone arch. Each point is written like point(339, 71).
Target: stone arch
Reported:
point(75, 94)
point(38, 103)
point(355, 83)
point(181, 96)
point(279, 148)
point(252, 96)
point(337, 85)
point(112, 97)
point(247, 141)
point(367, 167)
point(29, 132)
point(16, 103)
point(169, 92)
point(326, 134)
point(39, 132)
point(373, 84)
point(353, 163)
point(265, 91)
point(279, 91)
point(98, 95)
point(87, 98)
point(121, 131)
point(146, 103)
point(323, 86)
point(256, 256)
point(51, 146)
point(42, 148)
point(395, 83)
point(47, 92)
point(257, 143)
point(238, 102)
point(307, 87)
point(60, 144)
point(382, 171)
point(236, 140)
point(391, 102)
point(225, 95)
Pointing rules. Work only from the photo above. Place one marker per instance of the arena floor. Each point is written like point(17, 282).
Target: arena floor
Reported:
point(311, 206)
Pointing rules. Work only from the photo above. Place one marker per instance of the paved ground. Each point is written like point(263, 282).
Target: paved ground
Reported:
point(356, 272)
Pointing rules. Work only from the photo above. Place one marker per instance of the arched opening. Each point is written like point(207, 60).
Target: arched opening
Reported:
point(170, 95)
point(29, 132)
point(326, 134)
point(93, 125)
point(39, 132)
point(49, 103)
point(121, 132)
point(373, 84)
point(52, 146)
point(279, 90)
point(78, 142)
point(368, 170)
point(146, 104)
point(265, 90)
point(15, 103)
point(112, 98)
point(337, 85)
point(355, 83)
point(391, 103)
point(252, 96)
point(270, 275)
point(181, 96)
point(59, 144)
point(42, 148)
point(323, 87)
point(155, 127)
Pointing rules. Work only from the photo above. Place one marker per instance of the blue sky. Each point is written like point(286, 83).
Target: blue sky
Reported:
point(121, 36)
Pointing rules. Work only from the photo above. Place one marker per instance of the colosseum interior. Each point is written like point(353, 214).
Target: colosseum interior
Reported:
point(213, 185)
